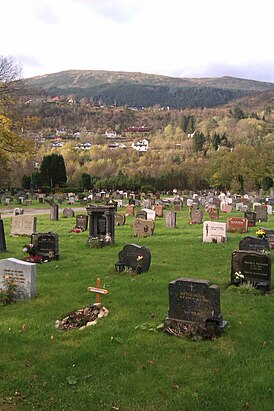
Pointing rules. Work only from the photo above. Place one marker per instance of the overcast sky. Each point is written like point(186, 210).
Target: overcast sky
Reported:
point(179, 38)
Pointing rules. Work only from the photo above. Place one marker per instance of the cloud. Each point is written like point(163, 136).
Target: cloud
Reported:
point(120, 11)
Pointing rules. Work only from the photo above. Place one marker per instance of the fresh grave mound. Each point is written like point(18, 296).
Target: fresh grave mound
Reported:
point(82, 318)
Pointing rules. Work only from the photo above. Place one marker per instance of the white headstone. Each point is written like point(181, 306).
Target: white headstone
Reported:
point(151, 214)
point(214, 232)
point(23, 274)
point(269, 209)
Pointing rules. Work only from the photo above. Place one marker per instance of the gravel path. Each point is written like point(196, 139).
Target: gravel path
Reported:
point(35, 211)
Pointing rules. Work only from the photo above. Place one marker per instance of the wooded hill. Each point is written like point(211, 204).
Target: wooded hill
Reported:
point(146, 90)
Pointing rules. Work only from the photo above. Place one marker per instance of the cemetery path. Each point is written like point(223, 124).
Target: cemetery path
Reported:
point(35, 211)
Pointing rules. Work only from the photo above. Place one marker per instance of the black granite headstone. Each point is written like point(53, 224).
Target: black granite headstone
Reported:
point(251, 218)
point(46, 245)
point(195, 301)
point(269, 235)
point(2, 237)
point(261, 213)
point(254, 244)
point(82, 221)
point(253, 267)
point(133, 256)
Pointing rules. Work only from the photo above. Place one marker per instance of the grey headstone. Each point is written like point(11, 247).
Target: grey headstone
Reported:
point(23, 273)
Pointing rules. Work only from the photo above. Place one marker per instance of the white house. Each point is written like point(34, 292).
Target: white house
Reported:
point(140, 145)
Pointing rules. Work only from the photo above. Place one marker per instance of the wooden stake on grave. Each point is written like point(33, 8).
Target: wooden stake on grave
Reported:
point(98, 291)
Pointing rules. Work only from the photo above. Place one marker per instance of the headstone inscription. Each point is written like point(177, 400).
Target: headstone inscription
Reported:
point(261, 213)
point(101, 225)
point(143, 228)
point(214, 232)
point(196, 216)
point(171, 219)
point(54, 212)
point(23, 225)
point(3, 247)
point(254, 244)
point(82, 221)
point(68, 212)
point(22, 273)
point(120, 219)
point(253, 267)
point(269, 235)
point(135, 257)
point(237, 225)
point(46, 245)
point(251, 218)
point(193, 301)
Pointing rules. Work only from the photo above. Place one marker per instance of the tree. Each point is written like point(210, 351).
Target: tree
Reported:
point(53, 170)
point(86, 181)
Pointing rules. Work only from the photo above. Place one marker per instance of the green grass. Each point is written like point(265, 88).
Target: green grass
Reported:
point(116, 363)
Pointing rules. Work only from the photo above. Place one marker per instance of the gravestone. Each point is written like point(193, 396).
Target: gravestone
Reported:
point(101, 225)
point(261, 213)
point(71, 200)
point(151, 214)
point(213, 213)
point(171, 219)
point(251, 218)
point(197, 302)
point(82, 221)
point(269, 209)
point(143, 228)
point(237, 225)
point(23, 225)
point(3, 247)
point(142, 214)
point(177, 205)
point(254, 244)
point(130, 209)
point(22, 273)
point(54, 212)
point(146, 203)
point(253, 267)
point(18, 211)
point(68, 212)
point(134, 257)
point(120, 219)
point(214, 232)
point(226, 208)
point(46, 245)
point(196, 216)
point(159, 210)
point(269, 235)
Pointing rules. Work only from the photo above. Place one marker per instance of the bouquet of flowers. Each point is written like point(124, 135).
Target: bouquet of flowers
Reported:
point(31, 251)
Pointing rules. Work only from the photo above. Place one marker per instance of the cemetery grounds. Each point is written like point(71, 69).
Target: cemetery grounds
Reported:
point(126, 361)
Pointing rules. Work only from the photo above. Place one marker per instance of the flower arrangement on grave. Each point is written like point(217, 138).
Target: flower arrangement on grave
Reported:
point(139, 267)
point(239, 276)
point(31, 251)
point(260, 233)
point(76, 230)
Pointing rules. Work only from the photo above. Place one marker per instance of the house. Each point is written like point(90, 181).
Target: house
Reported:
point(134, 129)
point(110, 134)
point(140, 146)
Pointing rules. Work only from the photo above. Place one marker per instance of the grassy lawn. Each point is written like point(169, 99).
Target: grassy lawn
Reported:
point(123, 363)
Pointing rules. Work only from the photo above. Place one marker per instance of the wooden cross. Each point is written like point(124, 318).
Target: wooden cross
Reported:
point(98, 291)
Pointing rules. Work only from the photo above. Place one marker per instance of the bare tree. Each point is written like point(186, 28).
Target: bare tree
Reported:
point(10, 71)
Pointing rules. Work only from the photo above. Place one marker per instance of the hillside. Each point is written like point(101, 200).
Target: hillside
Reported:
point(139, 89)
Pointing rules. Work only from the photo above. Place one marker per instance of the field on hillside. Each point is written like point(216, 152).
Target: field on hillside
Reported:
point(124, 362)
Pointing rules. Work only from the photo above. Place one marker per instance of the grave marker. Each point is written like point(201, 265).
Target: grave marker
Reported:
point(46, 245)
point(54, 212)
point(143, 228)
point(237, 225)
point(135, 257)
point(193, 301)
point(23, 225)
point(251, 218)
point(254, 244)
point(120, 219)
point(196, 216)
point(214, 232)
point(3, 247)
point(269, 235)
point(68, 213)
point(23, 274)
point(82, 221)
point(261, 213)
point(253, 267)
point(171, 219)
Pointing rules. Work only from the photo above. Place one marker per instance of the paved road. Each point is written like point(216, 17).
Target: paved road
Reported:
point(35, 211)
